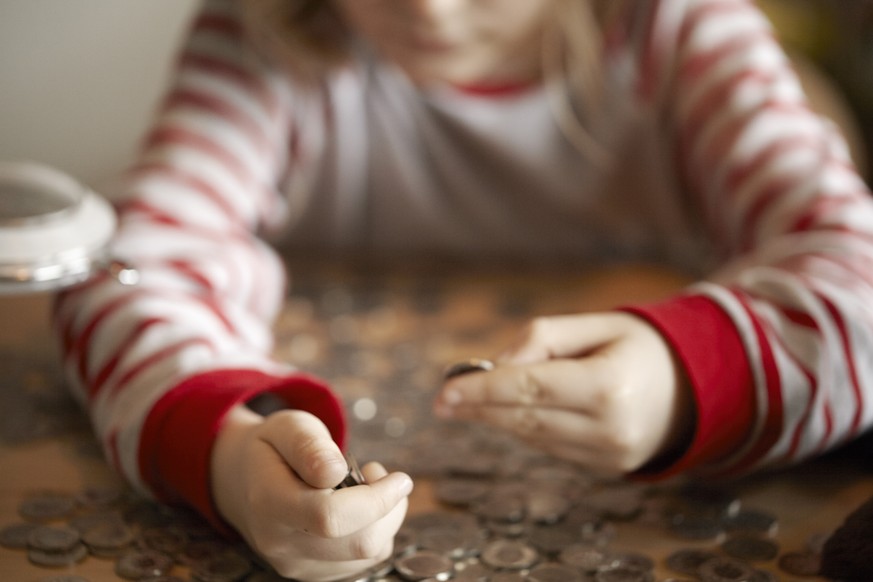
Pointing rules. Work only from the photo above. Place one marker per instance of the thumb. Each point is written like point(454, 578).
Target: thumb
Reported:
point(563, 336)
point(304, 442)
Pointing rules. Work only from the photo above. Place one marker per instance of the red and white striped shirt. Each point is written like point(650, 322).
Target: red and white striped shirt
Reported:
point(719, 166)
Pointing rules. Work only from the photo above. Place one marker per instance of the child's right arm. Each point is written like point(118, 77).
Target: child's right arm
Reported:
point(165, 367)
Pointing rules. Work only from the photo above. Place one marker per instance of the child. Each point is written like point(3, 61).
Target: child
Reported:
point(671, 130)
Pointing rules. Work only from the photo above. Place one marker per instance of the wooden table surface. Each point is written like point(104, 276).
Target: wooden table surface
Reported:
point(810, 499)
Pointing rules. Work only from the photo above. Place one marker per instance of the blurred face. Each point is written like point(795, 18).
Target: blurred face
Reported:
point(465, 42)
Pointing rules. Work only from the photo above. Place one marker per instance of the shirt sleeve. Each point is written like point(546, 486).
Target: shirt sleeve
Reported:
point(159, 363)
point(777, 342)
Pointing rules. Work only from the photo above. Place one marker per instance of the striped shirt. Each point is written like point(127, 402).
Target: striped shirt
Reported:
point(717, 164)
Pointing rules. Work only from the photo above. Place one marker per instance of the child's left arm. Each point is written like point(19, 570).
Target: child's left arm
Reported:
point(774, 352)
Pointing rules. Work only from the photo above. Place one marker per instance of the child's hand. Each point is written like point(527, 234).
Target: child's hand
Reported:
point(599, 389)
point(273, 480)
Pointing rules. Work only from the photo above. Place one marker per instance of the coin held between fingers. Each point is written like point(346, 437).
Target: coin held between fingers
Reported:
point(468, 366)
point(354, 476)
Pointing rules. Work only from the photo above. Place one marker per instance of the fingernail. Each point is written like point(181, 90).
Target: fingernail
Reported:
point(406, 486)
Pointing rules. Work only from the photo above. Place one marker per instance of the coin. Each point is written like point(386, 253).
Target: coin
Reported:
point(46, 506)
point(750, 548)
point(461, 491)
point(467, 366)
point(688, 560)
point(108, 539)
point(354, 476)
point(423, 564)
point(57, 559)
point(168, 540)
point(509, 555)
point(449, 541)
point(137, 564)
point(725, 570)
point(14, 536)
point(53, 539)
point(800, 563)
point(622, 573)
point(554, 572)
point(584, 557)
point(753, 521)
point(229, 566)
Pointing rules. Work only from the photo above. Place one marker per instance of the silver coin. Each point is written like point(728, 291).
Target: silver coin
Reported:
point(509, 555)
point(584, 557)
point(168, 540)
point(53, 539)
point(750, 548)
point(507, 508)
point(461, 491)
point(138, 564)
point(228, 566)
point(423, 564)
point(554, 572)
point(86, 521)
point(14, 536)
point(800, 563)
point(47, 506)
point(450, 542)
point(200, 551)
point(468, 366)
point(472, 570)
point(620, 573)
point(354, 476)
point(752, 521)
point(552, 539)
point(57, 559)
point(725, 570)
point(544, 507)
point(108, 539)
point(96, 497)
point(697, 527)
point(689, 560)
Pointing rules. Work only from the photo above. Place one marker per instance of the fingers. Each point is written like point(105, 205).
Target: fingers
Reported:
point(577, 385)
point(305, 444)
point(563, 336)
point(343, 512)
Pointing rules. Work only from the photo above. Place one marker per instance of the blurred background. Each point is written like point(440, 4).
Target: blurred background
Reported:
point(80, 78)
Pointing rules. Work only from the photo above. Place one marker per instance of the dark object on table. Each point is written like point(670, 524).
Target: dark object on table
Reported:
point(848, 553)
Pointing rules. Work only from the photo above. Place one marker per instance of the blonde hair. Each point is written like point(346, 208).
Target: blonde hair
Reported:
point(309, 38)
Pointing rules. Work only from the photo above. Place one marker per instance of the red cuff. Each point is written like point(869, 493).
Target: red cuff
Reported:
point(179, 432)
point(709, 347)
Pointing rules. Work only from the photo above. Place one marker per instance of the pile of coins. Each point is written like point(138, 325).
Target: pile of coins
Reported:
point(506, 512)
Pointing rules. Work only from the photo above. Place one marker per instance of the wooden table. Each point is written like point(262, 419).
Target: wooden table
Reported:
point(808, 500)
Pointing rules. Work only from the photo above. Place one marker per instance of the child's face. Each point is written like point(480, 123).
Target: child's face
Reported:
point(455, 41)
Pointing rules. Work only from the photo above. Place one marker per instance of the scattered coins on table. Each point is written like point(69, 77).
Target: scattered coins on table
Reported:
point(504, 512)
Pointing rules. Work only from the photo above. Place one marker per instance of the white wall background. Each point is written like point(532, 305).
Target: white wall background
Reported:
point(79, 79)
